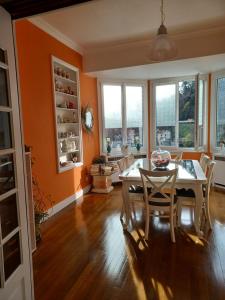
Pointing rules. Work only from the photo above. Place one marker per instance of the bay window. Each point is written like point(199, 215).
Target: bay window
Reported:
point(218, 110)
point(124, 115)
point(178, 113)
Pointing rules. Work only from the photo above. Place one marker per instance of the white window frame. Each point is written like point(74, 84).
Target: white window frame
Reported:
point(213, 109)
point(176, 80)
point(123, 83)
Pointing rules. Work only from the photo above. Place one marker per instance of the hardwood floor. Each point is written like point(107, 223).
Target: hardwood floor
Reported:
point(85, 255)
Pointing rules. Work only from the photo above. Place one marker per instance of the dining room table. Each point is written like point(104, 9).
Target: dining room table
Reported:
point(190, 176)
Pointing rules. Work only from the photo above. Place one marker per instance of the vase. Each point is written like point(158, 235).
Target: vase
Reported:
point(160, 158)
point(108, 148)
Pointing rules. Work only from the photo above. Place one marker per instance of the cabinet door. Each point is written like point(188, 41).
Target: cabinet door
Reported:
point(15, 256)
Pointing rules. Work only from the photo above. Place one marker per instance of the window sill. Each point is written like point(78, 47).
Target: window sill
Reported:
point(172, 149)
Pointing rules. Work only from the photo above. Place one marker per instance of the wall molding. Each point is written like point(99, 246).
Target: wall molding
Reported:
point(46, 27)
point(64, 203)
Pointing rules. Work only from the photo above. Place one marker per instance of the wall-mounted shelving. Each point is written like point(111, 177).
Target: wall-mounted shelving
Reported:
point(67, 114)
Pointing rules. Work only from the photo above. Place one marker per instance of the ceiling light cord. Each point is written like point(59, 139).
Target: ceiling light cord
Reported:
point(162, 13)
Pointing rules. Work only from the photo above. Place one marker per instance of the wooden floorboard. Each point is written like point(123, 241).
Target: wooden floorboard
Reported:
point(85, 255)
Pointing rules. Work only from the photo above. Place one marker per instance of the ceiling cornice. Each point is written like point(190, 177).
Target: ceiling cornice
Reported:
point(40, 23)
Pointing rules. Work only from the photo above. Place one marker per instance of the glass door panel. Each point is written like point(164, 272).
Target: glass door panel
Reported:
point(8, 215)
point(5, 130)
point(7, 176)
point(4, 98)
point(11, 255)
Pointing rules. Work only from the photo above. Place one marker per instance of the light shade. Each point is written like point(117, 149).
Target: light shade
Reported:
point(162, 48)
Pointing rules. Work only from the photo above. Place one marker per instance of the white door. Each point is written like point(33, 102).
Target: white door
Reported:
point(16, 281)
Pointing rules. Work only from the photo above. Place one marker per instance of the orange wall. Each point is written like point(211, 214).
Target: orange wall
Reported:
point(35, 48)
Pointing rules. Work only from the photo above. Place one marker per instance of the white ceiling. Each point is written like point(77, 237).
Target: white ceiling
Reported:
point(97, 24)
point(101, 22)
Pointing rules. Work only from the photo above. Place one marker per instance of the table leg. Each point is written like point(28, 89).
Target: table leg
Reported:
point(198, 208)
point(126, 206)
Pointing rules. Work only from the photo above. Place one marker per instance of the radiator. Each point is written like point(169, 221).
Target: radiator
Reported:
point(219, 170)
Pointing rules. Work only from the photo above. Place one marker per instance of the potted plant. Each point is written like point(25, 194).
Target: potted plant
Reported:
point(41, 203)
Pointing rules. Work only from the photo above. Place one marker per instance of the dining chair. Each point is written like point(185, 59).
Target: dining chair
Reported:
point(204, 159)
point(160, 196)
point(176, 155)
point(122, 164)
point(187, 197)
point(129, 159)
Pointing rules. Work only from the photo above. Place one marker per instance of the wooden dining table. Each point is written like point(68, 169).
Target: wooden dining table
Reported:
point(190, 176)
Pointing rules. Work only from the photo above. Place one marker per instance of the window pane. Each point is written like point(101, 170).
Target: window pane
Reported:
point(7, 179)
point(134, 111)
point(5, 131)
point(200, 112)
point(186, 113)
point(220, 128)
point(8, 214)
point(11, 255)
point(4, 101)
point(113, 114)
point(165, 115)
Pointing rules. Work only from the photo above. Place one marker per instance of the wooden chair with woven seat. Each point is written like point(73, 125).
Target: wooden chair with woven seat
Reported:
point(129, 159)
point(160, 196)
point(176, 155)
point(204, 159)
point(187, 197)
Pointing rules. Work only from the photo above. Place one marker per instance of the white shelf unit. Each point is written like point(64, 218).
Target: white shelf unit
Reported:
point(67, 115)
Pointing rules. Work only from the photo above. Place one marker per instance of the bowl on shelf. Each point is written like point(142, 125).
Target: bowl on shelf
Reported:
point(160, 158)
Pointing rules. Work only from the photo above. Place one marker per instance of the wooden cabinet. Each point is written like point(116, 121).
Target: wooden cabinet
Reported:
point(67, 115)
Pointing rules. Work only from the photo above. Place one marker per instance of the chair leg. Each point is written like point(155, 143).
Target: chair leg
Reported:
point(147, 220)
point(122, 212)
point(172, 228)
point(133, 209)
point(207, 212)
point(179, 212)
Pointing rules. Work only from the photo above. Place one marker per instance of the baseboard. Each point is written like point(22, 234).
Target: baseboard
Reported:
point(62, 204)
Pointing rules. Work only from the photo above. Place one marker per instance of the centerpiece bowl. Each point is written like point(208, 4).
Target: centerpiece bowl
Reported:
point(160, 158)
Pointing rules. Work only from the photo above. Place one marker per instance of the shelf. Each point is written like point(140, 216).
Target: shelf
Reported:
point(69, 123)
point(67, 109)
point(64, 78)
point(65, 94)
point(68, 138)
point(69, 152)
point(69, 113)
point(71, 166)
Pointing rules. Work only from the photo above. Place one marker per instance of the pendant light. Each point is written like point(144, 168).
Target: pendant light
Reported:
point(162, 48)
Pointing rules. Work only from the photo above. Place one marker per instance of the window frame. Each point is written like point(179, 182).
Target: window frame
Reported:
point(123, 84)
point(176, 80)
point(213, 109)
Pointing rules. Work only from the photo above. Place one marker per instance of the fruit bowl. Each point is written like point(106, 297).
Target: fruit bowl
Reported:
point(160, 158)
